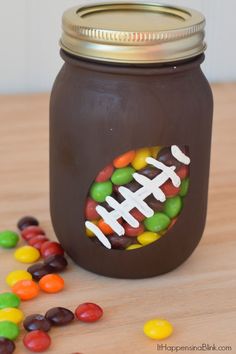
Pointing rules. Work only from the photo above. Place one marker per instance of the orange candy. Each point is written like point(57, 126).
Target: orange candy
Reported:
point(106, 229)
point(124, 160)
point(51, 283)
point(26, 289)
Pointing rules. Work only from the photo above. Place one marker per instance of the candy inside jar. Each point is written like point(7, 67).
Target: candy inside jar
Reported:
point(138, 198)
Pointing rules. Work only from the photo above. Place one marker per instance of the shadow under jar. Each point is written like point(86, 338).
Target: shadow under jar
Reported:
point(130, 136)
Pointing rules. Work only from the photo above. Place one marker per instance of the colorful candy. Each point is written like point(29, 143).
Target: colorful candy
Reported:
point(88, 312)
point(51, 283)
point(133, 231)
point(139, 161)
point(27, 254)
point(51, 249)
point(9, 330)
point(173, 207)
point(90, 210)
point(37, 341)
point(99, 191)
point(130, 185)
point(157, 222)
point(26, 289)
point(17, 275)
point(105, 174)
point(31, 231)
point(184, 187)
point(8, 239)
point(57, 262)
point(39, 270)
point(7, 346)
point(38, 241)
point(158, 329)
point(122, 176)
point(148, 237)
point(120, 243)
point(59, 316)
point(9, 300)
point(124, 160)
point(36, 322)
point(27, 221)
point(11, 314)
point(134, 247)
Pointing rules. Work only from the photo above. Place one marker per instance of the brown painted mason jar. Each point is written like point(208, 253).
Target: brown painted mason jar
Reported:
point(130, 137)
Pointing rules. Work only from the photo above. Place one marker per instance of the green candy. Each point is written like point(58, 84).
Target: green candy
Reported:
point(184, 187)
point(9, 300)
point(9, 330)
point(173, 206)
point(99, 191)
point(157, 222)
point(8, 239)
point(123, 176)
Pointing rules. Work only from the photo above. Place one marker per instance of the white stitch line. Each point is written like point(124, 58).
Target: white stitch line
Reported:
point(136, 199)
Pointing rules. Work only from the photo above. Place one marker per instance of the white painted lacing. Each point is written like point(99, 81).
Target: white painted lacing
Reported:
point(137, 199)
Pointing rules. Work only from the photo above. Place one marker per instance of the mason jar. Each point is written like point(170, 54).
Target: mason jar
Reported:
point(130, 137)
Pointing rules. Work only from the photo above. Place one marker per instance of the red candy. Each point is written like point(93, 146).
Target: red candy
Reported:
point(169, 189)
point(133, 231)
point(88, 312)
point(90, 210)
point(105, 174)
point(31, 231)
point(183, 172)
point(37, 341)
point(50, 249)
point(38, 241)
point(137, 215)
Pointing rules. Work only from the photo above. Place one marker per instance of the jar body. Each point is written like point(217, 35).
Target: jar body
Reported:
point(97, 113)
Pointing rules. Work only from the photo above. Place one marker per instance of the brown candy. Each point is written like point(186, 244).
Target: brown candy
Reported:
point(120, 243)
point(39, 270)
point(59, 316)
point(57, 262)
point(36, 322)
point(6, 346)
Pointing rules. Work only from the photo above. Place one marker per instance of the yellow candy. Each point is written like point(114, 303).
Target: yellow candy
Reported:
point(11, 314)
point(90, 233)
point(27, 254)
point(139, 161)
point(16, 276)
point(133, 247)
point(148, 237)
point(158, 329)
point(155, 150)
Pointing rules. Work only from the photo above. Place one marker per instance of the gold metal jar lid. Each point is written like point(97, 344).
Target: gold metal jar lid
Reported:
point(133, 32)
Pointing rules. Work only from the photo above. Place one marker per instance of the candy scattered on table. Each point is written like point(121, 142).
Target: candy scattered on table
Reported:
point(11, 314)
point(8, 239)
point(88, 312)
point(37, 341)
point(39, 270)
point(51, 249)
point(59, 316)
point(158, 329)
point(57, 262)
point(7, 346)
point(17, 275)
point(31, 231)
point(9, 330)
point(26, 289)
point(27, 221)
point(8, 299)
point(36, 322)
point(27, 254)
point(152, 180)
point(51, 283)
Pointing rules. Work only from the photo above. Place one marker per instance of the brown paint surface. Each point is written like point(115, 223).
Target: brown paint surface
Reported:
point(98, 112)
